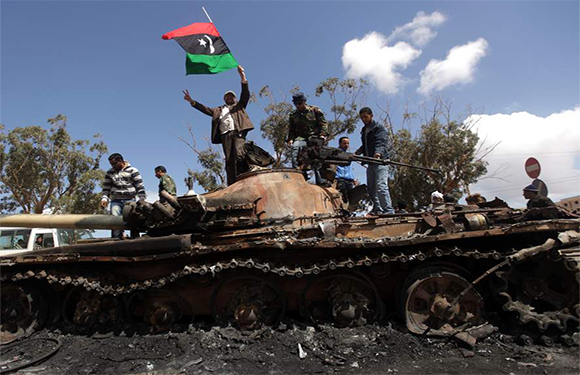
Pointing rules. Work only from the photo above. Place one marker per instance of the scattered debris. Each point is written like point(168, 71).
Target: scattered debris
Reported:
point(206, 349)
point(467, 353)
point(301, 353)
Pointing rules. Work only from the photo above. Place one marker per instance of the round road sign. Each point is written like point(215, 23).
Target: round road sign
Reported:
point(533, 167)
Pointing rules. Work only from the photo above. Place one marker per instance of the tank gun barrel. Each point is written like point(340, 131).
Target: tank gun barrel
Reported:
point(370, 160)
point(317, 152)
point(73, 221)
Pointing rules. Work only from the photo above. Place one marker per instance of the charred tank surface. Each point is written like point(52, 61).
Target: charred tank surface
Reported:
point(271, 244)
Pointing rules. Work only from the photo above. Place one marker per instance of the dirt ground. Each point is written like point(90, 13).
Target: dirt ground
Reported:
point(291, 348)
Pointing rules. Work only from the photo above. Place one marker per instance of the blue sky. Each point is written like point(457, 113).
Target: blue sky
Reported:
point(104, 65)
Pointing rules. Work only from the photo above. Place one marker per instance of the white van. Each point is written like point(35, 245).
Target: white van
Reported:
point(19, 240)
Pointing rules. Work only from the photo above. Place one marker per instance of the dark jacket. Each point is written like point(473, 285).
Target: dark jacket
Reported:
point(539, 202)
point(242, 121)
point(376, 139)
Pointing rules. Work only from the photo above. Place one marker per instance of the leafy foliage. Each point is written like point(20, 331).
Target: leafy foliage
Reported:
point(450, 147)
point(275, 126)
point(212, 175)
point(42, 168)
point(346, 97)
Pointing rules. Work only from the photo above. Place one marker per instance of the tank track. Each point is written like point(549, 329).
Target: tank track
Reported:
point(525, 312)
point(249, 263)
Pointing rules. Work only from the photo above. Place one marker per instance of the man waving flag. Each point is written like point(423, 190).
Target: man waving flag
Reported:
point(206, 51)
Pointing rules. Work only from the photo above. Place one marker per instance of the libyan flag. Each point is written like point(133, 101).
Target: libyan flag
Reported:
point(206, 51)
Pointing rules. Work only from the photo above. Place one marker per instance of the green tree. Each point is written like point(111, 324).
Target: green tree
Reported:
point(212, 174)
point(275, 126)
point(42, 168)
point(448, 145)
point(346, 97)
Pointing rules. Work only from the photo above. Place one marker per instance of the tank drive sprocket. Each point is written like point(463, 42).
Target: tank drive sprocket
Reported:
point(23, 309)
point(543, 291)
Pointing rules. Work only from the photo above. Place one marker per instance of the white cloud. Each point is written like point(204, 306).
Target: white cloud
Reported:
point(371, 57)
point(457, 68)
point(553, 140)
point(420, 30)
point(152, 196)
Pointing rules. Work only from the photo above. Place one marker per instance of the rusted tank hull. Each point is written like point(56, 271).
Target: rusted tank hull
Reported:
point(272, 243)
point(186, 276)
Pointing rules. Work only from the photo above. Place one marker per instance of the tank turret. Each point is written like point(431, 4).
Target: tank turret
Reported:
point(257, 197)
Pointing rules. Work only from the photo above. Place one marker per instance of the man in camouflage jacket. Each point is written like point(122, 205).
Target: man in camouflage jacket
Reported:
point(304, 122)
point(165, 182)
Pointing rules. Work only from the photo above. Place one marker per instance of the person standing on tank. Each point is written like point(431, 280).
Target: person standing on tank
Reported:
point(305, 122)
point(122, 184)
point(229, 126)
point(165, 182)
point(374, 138)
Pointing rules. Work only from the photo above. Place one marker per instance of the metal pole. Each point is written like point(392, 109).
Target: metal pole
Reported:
point(207, 15)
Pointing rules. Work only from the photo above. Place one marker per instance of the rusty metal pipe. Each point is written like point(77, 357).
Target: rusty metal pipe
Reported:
point(170, 199)
point(161, 208)
point(72, 221)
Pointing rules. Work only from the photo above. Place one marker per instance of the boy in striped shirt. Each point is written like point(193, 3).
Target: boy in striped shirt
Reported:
point(122, 184)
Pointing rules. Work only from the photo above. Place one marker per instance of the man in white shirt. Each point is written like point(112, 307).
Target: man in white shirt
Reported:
point(230, 124)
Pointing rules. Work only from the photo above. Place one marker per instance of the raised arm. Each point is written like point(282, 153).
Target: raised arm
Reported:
point(245, 95)
point(197, 105)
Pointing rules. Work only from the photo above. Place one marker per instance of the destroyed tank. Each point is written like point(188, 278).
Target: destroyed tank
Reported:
point(272, 245)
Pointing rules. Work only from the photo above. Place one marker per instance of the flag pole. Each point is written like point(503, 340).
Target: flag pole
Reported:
point(207, 15)
point(210, 21)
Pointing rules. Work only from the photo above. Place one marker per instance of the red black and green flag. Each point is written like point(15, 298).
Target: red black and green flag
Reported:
point(207, 53)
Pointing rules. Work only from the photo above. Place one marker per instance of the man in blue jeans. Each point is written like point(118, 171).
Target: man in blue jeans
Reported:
point(374, 144)
point(122, 184)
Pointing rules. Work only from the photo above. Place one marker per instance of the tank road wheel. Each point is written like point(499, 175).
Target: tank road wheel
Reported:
point(23, 309)
point(427, 298)
point(248, 303)
point(342, 299)
point(543, 291)
point(90, 310)
point(158, 308)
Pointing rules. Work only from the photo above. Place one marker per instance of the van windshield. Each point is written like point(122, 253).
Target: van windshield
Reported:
point(14, 238)
point(71, 236)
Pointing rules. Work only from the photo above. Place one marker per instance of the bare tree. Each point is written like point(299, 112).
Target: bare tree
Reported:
point(211, 177)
